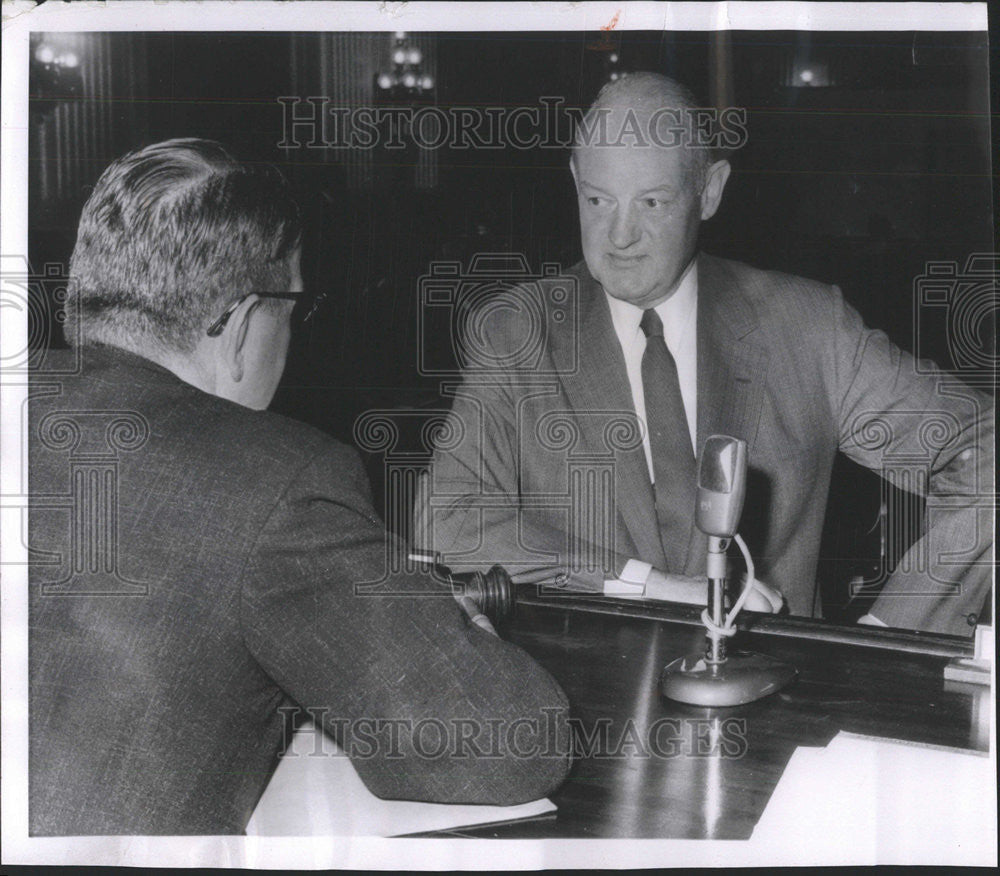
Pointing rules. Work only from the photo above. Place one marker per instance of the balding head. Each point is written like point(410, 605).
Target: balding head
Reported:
point(645, 181)
point(647, 110)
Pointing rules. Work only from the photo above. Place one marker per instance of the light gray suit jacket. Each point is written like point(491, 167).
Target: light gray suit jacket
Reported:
point(543, 469)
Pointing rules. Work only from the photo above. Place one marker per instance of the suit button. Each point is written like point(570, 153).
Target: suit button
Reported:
point(971, 619)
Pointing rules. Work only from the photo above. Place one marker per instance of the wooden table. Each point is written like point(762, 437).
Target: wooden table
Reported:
point(708, 773)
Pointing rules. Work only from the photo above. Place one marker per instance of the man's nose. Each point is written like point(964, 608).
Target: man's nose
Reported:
point(624, 228)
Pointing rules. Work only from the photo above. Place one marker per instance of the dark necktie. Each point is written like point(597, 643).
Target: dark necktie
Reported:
point(674, 466)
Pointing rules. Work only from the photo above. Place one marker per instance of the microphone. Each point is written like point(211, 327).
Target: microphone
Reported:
point(715, 677)
point(722, 481)
point(722, 484)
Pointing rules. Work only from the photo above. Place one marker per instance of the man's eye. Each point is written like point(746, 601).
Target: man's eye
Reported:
point(652, 203)
point(594, 201)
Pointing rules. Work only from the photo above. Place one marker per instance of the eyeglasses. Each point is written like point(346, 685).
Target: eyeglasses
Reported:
point(215, 329)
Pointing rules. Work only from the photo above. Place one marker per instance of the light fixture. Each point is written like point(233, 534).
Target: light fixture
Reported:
point(406, 79)
point(55, 70)
point(46, 53)
point(612, 66)
point(808, 73)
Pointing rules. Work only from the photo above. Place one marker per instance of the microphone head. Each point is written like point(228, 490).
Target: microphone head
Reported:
point(722, 480)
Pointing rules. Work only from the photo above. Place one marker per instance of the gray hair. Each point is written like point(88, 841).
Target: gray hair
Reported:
point(171, 234)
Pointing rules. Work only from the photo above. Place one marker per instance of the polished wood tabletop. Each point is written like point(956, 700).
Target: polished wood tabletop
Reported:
point(649, 767)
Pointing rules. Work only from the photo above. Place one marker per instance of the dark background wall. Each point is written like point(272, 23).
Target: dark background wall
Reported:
point(860, 180)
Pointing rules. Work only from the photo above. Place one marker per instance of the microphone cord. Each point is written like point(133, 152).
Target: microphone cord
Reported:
point(728, 628)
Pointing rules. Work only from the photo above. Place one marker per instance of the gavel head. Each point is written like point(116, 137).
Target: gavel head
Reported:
point(492, 591)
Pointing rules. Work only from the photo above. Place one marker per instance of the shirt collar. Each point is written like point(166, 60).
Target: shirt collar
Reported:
point(675, 312)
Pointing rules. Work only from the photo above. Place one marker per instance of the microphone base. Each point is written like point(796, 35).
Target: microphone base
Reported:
point(741, 678)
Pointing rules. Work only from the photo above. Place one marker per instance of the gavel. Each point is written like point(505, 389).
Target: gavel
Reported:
point(491, 592)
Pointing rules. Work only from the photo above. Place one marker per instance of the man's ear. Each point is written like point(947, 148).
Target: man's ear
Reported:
point(235, 337)
point(715, 182)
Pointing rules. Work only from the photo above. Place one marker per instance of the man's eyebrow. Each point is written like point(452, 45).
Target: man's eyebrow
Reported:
point(666, 189)
point(592, 187)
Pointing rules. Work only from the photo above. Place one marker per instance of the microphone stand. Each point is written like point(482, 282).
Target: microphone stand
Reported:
point(716, 653)
point(718, 676)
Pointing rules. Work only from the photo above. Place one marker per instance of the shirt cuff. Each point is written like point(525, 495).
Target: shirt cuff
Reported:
point(631, 581)
point(870, 620)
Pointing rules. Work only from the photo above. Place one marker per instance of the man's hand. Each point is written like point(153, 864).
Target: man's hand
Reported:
point(763, 598)
point(675, 588)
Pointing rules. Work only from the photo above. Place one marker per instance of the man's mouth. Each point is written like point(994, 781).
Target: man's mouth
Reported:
point(624, 261)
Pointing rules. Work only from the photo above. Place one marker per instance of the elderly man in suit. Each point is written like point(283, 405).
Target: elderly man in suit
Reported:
point(683, 345)
point(219, 565)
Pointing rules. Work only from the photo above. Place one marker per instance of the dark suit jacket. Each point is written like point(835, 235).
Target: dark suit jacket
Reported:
point(783, 363)
point(198, 567)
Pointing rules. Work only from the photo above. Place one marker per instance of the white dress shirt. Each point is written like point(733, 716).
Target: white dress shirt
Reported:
point(679, 314)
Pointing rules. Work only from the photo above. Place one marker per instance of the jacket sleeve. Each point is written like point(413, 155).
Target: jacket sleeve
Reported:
point(472, 506)
point(429, 706)
point(931, 434)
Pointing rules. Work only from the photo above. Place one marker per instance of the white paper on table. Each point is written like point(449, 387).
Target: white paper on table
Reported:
point(315, 791)
point(868, 800)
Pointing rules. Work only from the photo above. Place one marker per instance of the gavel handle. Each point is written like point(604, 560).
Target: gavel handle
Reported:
point(475, 615)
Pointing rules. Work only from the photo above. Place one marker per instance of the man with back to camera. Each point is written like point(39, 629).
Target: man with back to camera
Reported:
point(690, 345)
point(161, 666)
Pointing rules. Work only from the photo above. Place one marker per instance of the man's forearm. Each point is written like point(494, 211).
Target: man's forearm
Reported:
point(469, 537)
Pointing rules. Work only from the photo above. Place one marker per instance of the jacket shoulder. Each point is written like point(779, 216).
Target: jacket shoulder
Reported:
point(777, 300)
point(180, 427)
point(762, 285)
point(286, 444)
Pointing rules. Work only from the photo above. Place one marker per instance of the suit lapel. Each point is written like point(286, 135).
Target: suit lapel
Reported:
point(731, 375)
point(596, 383)
point(731, 369)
